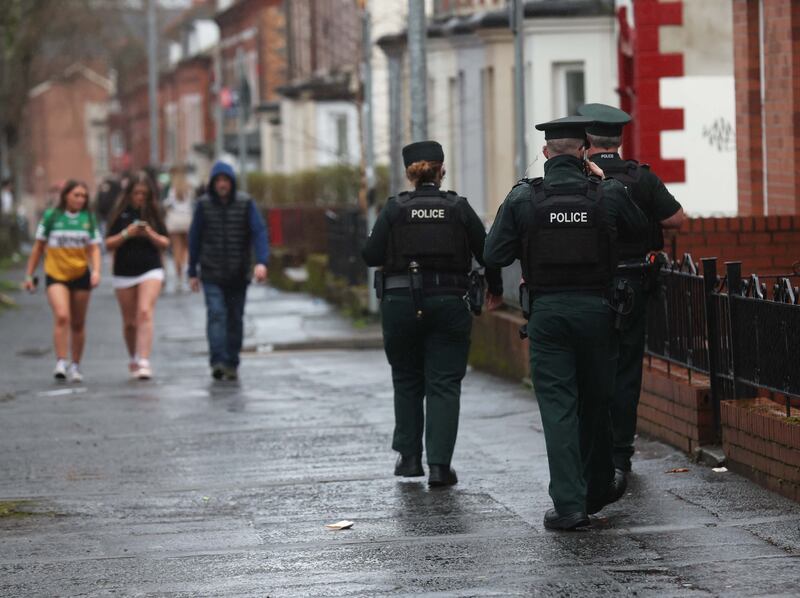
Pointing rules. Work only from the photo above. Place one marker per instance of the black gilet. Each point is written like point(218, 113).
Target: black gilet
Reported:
point(225, 240)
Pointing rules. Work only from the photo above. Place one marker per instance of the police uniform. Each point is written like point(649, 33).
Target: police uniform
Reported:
point(657, 203)
point(427, 340)
point(563, 228)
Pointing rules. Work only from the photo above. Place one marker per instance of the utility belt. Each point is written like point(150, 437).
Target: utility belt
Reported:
point(421, 284)
point(433, 283)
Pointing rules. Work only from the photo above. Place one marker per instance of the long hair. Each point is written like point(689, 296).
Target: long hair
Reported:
point(150, 211)
point(423, 171)
point(67, 189)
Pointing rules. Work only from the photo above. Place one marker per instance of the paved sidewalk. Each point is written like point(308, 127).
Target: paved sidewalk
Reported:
point(186, 487)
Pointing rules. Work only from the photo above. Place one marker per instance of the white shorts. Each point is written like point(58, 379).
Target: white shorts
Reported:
point(126, 282)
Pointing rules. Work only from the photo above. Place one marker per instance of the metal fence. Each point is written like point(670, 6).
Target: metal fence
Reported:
point(347, 231)
point(743, 333)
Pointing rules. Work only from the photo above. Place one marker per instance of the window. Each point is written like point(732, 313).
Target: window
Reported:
point(568, 85)
point(192, 117)
point(171, 126)
point(342, 150)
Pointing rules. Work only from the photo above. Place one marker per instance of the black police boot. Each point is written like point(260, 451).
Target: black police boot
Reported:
point(555, 521)
point(409, 466)
point(441, 475)
point(615, 491)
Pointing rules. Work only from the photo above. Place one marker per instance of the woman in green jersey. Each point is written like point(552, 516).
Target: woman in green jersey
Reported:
point(70, 241)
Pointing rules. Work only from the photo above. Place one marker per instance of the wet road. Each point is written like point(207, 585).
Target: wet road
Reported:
point(186, 487)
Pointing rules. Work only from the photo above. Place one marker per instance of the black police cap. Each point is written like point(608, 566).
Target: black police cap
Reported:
point(430, 151)
point(569, 127)
point(609, 120)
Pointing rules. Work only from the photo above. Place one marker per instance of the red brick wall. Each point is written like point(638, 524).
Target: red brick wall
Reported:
point(781, 105)
point(782, 102)
point(747, 74)
point(649, 66)
point(269, 42)
point(764, 244)
point(57, 134)
point(762, 445)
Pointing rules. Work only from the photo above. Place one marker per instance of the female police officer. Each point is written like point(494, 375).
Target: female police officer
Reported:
point(425, 240)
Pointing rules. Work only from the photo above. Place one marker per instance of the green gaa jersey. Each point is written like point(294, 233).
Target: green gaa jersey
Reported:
point(67, 237)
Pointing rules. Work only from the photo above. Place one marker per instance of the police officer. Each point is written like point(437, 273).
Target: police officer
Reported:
point(564, 230)
point(424, 240)
point(662, 211)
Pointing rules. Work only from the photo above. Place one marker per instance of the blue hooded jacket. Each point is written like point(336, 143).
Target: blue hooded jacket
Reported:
point(258, 230)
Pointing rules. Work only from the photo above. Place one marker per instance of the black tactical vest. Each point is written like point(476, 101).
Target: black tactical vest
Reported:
point(428, 229)
point(629, 173)
point(568, 245)
point(225, 242)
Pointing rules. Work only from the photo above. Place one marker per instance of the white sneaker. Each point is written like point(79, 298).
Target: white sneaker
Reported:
point(133, 368)
point(75, 373)
point(144, 372)
point(60, 373)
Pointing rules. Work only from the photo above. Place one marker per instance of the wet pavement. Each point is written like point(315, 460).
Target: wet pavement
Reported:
point(185, 487)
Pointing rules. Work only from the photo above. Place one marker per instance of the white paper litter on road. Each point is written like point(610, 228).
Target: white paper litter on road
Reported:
point(719, 469)
point(343, 524)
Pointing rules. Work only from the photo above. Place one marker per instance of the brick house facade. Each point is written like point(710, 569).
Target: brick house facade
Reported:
point(257, 28)
point(767, 175)
point(66, 128)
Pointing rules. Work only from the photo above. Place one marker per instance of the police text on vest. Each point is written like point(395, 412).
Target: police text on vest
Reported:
point(428, 214)
point(569, 217)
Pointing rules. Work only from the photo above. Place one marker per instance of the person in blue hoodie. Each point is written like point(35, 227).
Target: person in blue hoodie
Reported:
point(224, 226)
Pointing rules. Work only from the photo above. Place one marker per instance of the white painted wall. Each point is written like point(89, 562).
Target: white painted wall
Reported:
point(443, 104)
point(470, 153)
point(551, 41)
point(707, 95)
point(707, 143)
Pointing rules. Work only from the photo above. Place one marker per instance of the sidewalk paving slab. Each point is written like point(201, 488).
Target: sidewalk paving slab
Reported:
point(183, 486)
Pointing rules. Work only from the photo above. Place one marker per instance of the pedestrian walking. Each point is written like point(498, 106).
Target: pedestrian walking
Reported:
point(225, 224)
point(69, 238)
point(564, 229)
point(137, 236)
point(425, 240)
point(6, 201)
point(107, 196)
point(662, 211)
point(179, 207)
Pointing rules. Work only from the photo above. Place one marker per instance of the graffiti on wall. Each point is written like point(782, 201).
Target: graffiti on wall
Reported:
point(720, 135)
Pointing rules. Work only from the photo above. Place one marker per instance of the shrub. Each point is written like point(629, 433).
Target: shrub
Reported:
point(327, 186)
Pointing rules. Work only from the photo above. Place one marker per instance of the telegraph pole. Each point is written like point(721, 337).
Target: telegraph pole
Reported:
point(152, 80)
point(417, 38)
point(517, 26)
point(368, 134)
point(219, 133)
point(395, 57)
point(243, 114)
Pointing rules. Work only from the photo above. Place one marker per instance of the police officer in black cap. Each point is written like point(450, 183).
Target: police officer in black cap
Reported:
point(425, 240)
point(564, 229)
point(662, 211)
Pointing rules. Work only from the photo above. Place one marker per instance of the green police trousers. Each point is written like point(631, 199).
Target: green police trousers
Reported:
point(429, 360)
point(629, 373)
point(573, 353)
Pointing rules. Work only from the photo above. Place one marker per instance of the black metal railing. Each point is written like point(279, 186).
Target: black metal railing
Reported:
point(676, 325)
point(743, 333)
point(346, 234)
